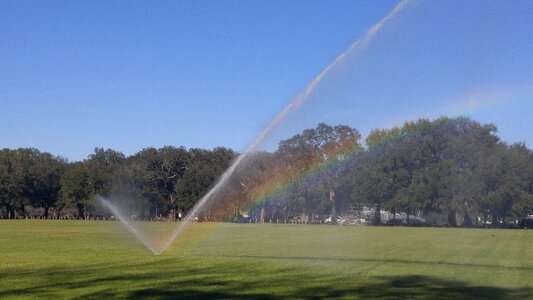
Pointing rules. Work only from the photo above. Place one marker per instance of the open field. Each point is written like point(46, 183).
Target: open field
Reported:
point(91, 259)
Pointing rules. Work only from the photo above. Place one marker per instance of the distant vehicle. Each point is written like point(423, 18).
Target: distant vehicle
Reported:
point(526, 223)
point(352, 220)
point(338, 220)
point(241, 219)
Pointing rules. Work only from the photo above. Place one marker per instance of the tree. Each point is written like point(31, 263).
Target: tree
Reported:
point(11, 183)
point(83, 182)
point(324, 148)
point(155, 174)
point(508, 177)
point(202, 169)
point(76, 187)
point(426, 165)
point(45, 181)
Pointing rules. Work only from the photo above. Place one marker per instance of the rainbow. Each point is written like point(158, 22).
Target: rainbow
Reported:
point(277, 185)
point(479, 100)
point(459, 107)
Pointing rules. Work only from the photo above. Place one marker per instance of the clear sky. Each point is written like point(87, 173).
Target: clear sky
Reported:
point(126, 75)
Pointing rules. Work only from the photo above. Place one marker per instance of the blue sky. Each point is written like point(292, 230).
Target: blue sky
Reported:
point(126, 75)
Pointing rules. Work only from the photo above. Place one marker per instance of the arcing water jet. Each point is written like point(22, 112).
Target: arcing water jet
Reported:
point(280, 117)
point(116, 212)
point(293, 105)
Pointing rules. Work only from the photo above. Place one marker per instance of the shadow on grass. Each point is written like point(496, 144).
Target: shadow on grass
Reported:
point(404, 287)
point(370, 260)
point(166, 279)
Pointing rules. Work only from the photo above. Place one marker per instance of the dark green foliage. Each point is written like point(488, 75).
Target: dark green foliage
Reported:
point(455, 167)
point(452, 171)
point(28, 177)
point(84, 181)
point(202, 170)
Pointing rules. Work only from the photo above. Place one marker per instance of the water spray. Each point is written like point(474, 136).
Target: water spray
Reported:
point(356, 46)
point(128, 225)
point(293, 105)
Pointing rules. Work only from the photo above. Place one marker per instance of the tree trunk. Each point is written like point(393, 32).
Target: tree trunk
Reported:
point(377, 215)
point(452, 220)
point(22, 210)
point(494, 221)
point(81, 211)
point(332, 201)
point(11, 212)
point(467, 221)
point(172, 204)
point(46, 207)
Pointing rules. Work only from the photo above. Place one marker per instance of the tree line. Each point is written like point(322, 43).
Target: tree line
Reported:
point(451, 171)
point(147, 181)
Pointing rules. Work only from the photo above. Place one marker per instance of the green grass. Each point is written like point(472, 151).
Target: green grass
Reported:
point(95, 260)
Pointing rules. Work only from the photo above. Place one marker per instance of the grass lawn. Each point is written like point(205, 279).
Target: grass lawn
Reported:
point(97, 259)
